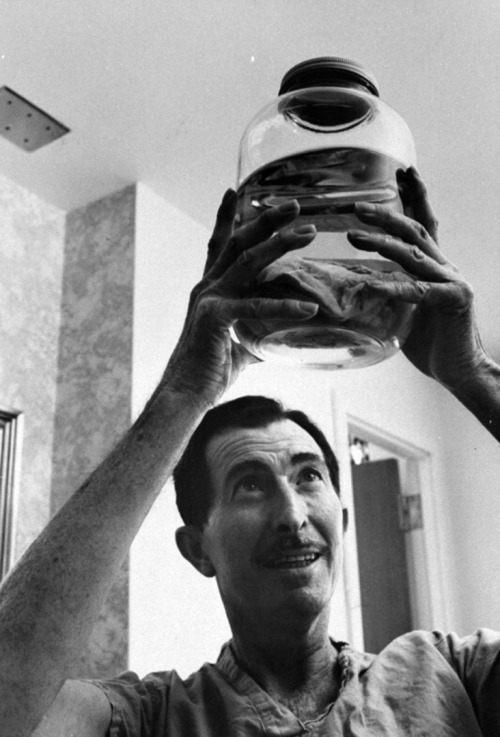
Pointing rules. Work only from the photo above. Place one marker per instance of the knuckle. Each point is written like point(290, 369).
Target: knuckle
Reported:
point(200, 293)
point(208, 303)
point(387, 240)
point(232, 242)
point(421, 231)
point(466, 292)
point(258, 309)
point(417, 253)
point(197, 290)
point(244, 259)
point(398, 290)
point(422, 288)
point(433, 224)
point(213, 244)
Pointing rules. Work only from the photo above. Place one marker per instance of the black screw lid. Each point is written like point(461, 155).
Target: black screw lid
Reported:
point(328, 71)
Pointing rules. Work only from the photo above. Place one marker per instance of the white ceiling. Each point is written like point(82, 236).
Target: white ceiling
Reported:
point(154, 91)
point(159, 91)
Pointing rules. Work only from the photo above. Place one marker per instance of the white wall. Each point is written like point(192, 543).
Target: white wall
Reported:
point(472, 508)
point(175, 614)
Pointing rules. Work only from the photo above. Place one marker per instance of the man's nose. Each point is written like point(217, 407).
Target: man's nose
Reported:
point(290, 509)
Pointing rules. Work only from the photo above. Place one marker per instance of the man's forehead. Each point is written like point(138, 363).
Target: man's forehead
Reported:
point(283, 438)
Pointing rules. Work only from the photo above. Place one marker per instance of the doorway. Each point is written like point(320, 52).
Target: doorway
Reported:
point(383, 569)
point(386, 477)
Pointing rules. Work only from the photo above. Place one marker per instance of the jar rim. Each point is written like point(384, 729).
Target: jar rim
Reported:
point(324, 71)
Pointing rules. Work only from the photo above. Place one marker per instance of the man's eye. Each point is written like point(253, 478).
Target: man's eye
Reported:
point(309, 475)
point(250, 484)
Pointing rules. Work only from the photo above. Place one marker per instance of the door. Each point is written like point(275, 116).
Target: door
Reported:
point(383, 571)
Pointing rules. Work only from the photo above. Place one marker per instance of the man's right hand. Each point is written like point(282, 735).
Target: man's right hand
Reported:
point(206, 360)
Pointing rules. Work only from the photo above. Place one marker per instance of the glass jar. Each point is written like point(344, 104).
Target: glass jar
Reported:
point(328, 141)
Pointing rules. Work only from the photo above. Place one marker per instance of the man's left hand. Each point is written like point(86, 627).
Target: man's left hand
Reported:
point(444, 342)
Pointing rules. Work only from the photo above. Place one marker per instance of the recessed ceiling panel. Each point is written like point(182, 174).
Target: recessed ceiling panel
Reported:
point(24, 124)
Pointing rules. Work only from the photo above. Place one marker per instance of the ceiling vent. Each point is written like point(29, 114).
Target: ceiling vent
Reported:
point(24, 124)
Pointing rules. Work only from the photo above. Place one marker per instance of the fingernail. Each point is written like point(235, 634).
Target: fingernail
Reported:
point(365, 207)
point(304, 230)
point(359, 234)
point(308, 308)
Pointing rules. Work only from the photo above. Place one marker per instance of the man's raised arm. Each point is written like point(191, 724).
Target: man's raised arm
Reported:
point(49, 602)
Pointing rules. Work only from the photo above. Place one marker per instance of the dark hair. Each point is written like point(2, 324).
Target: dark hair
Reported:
point(194, 494)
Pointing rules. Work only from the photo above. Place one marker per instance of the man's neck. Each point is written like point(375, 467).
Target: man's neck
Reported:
point(299, 671)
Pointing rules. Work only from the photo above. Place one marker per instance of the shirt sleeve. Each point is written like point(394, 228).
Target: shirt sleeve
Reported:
point(138, 706)
point(476, 660)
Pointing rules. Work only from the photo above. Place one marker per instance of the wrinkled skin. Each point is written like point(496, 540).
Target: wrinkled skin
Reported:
point(444, 342)
point(206, 360)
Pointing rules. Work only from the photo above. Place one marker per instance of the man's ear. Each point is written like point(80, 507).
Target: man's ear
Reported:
point(189, 540)
point(345, 519)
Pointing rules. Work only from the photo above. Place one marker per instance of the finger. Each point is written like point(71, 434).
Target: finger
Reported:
point(223, 228)
point(260, 229)
point(452, 296)
point(400, 226)
point(267, 309)
point(410, 257)
point(268, 222)
point(415, 196)
point(404, 193)
point(252, 261)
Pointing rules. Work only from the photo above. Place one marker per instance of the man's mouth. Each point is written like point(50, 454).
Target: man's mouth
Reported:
point(292, 559)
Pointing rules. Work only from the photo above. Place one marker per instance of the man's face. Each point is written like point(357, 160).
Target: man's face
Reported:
point(274, 532)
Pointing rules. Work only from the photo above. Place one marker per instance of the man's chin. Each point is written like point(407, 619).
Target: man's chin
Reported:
point(300, 601)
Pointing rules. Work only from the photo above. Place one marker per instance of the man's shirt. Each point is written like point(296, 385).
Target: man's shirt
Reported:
point(421, 684)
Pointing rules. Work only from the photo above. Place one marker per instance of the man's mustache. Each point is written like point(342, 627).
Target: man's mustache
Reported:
point(292, 544)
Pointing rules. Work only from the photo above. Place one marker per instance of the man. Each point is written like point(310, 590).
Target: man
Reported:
point(271, 532)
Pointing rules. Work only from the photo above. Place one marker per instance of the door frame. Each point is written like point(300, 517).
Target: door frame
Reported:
point(428, 603)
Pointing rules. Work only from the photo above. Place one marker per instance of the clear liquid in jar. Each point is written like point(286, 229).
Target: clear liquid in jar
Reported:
point(327, 183)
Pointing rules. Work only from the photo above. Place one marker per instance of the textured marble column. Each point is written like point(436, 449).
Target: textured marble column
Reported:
point(31, 263)
point(93, 406)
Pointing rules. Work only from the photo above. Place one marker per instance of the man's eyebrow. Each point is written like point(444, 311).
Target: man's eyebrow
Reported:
point(307, 457)
point(255, 464)
point(251, 464)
